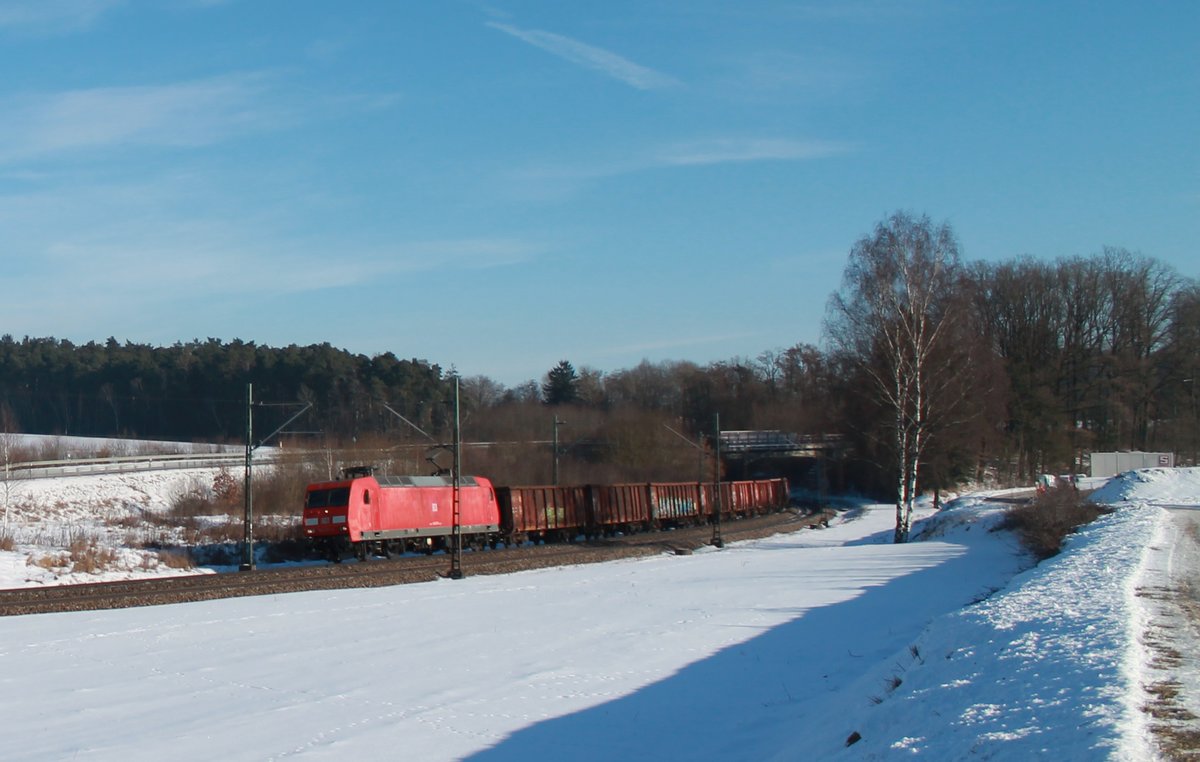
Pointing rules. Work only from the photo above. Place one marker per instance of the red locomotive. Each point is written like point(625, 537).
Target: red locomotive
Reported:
point(388, 514)
point(396, 513)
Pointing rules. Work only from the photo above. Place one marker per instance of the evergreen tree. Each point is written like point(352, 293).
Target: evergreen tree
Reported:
point(562, 385)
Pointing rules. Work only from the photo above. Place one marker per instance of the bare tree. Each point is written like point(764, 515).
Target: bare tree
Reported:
point(1183, 354)
point(892, 317)
point(9, 452)
point(479, 392)
point(1140, 294)
point(591, 387)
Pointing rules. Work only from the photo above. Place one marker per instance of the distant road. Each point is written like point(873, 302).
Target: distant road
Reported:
point(48, 469)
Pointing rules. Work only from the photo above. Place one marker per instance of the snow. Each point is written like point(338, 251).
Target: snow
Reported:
point(952, 646)
point(87, 447)
point(46, 516)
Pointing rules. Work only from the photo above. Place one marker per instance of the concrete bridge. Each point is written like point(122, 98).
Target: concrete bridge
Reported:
point(774, 443)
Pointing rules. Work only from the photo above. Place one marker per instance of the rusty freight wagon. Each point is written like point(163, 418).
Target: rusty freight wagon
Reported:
point(545, 513)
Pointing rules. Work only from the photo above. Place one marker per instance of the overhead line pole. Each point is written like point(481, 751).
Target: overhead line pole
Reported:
point(248, 488)
point(248, 528)
point(716, 536)
point(456, 570)
point(715, 519)
point(557, 423)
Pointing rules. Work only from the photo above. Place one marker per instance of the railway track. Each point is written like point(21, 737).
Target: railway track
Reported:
point(380, 572)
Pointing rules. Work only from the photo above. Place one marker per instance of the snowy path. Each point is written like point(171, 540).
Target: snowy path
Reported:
point(1163, 663)
point(1169, 591)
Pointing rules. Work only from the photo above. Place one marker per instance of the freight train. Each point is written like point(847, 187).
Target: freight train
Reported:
point(376, 514)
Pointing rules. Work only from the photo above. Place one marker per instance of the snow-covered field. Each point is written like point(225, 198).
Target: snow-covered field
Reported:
point(46, 517)
point(946, 648)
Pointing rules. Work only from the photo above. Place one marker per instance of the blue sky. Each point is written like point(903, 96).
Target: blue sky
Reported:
point(497, 186)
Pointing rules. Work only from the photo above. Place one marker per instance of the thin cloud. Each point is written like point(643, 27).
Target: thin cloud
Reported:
point(185, 257)
point(192, 113)
point(119, 252)
point(123, 276)
point(53, 15)
point(725, 150)
point(561, 179)
point(591, 57)
point(461, 254)
point(764, 74)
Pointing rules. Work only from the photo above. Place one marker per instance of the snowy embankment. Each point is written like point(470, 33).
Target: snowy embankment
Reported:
point(120, 514)
point(1048, 666)
point(778, 648)
point(93, 527)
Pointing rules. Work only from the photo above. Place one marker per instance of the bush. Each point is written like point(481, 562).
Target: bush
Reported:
point(278, 490)
point(175, 559)
point(89, 557)
point(49, 561)
point(1044, 523)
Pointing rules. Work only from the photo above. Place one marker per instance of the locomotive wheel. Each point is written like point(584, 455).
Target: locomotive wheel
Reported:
point(360, 551)
point(334, 553)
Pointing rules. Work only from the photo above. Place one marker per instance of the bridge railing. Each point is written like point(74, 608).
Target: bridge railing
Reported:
point(734, 442)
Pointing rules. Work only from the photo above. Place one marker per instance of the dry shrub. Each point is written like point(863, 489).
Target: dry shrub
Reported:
point(197, 501)
point(216, 533)
point(51, 449)
point(126, 521)
point(226, 490)
point(278, 490)
point(278, 531)
point(150, 538)
point(89, 557)
point(207, 517)
point(50, 561)
point(7, 542)
point(1044, 523)
point(175, 559)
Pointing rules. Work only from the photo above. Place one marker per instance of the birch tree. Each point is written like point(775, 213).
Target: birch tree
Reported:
point(9, 450)
point(893, 317)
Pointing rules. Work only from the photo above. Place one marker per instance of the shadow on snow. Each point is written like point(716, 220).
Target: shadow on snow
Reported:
point(710, 709)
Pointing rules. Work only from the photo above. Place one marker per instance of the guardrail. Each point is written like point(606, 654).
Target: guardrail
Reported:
point(46, 469)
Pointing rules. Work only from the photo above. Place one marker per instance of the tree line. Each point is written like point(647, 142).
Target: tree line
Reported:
point(197, 391)
point(1018, 367)
point(935, 370)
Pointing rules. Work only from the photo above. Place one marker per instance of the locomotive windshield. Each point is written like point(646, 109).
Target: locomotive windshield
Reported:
point(337, 497)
